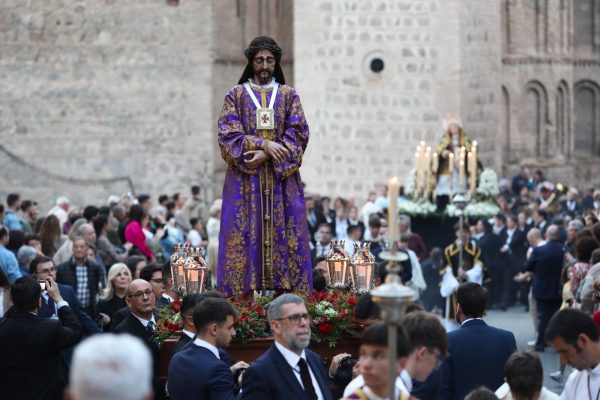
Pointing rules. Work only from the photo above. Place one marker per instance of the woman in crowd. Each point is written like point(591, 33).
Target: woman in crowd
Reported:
point(135, 265)
point(104, 247)
point(134, 233)
point(113, 298)
point(584, 248)
point(51, 236)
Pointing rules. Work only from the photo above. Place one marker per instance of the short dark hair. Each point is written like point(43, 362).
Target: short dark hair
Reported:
point(37, 261)
point(90, 212)
point(142, 198)
point(374, 221)
point(3, 232)
point(524, 374)
point(166, 270)
point(351, 228)
point(193, 221)
point(132, 262)
point(25, 293)
point(322, 224)
point(481, 393)
point(465, 226)
point(212, 310)
point(188, 303)
point(584, 248)
point(542, 213)
point(318, 280)
point(426, 330)
point(568, 324)
point(12, 198)
point(149, 270)
point(163, 198)
point(195, 190)
point(377, 334)
point(25, 204)
point(366, 308)
point(472, 298)
point(596, 231)
point(501, 216)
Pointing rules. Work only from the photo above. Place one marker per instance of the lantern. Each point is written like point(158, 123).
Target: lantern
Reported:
point(177, 261)
point(363, 264)
point(337, 264)
point(195, 269)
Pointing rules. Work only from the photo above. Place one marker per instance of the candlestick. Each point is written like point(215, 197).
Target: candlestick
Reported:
point(393, 191)
point(427, 172)
point(451, 163)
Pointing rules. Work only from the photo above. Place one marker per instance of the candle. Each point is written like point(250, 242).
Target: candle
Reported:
point(417, 175)
point(194, 275)
point(472, 168)
point(434, 165)
point(393, 191)
point(461, 174)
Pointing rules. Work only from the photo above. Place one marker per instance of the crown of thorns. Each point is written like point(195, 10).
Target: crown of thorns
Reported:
point(273, 48)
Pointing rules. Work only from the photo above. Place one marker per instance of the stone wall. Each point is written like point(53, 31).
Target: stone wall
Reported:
point(95, 90)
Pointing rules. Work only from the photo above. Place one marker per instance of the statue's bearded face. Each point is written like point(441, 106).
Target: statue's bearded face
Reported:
point(263, 65)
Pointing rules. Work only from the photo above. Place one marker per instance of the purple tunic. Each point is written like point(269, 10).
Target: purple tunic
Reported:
point(263, 241)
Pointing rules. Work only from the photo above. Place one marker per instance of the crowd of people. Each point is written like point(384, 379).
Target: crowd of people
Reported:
point(76, 272)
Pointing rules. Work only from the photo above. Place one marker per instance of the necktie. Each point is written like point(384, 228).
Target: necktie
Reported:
point(150, 327)
point(309, 389)
point(51, 306)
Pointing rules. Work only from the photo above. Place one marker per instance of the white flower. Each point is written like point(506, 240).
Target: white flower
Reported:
point(330, 313)
point(424, 208)
point(488, 185)
point(409, 182)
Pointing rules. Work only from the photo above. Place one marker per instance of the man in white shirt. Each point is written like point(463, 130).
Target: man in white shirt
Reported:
point(575, 338)
point(197, 371)
point(61, 210)
point(287, 370)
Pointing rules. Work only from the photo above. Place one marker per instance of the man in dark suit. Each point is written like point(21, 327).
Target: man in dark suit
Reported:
point(570, 206)
point(490, 244)
point(515, 250)
point(478, 351)
point(197, 371)
point(168, 295)
point(82, 275)
point(141, 323)
point(30, 346)
point(41, 268)
point(546, 263)
point(287, 370)
point(540, 218)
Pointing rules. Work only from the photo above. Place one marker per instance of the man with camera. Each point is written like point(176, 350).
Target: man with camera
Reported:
point(30, 346)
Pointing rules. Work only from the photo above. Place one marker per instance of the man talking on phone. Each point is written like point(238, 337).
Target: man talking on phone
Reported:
point(30, 346)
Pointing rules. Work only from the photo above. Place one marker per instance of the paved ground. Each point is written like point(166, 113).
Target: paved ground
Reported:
point(519, 322)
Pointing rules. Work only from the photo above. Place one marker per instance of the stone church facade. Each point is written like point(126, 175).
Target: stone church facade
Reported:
point(103, 97)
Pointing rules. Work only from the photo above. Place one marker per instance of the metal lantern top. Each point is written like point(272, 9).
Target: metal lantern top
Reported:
point(337, 263)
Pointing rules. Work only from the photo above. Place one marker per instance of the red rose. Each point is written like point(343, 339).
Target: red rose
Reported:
point(165, 322)
point(325, 328)
point(352, 301)
point(175, 306)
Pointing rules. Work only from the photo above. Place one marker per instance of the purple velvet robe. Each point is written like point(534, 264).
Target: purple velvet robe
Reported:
point(263, 206)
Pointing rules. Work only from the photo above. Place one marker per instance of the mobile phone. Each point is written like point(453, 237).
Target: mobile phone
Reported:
point(42, 284)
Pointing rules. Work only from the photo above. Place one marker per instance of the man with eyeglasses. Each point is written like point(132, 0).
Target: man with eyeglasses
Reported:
point(141, 323)
point(42, 268)
point(288, 370)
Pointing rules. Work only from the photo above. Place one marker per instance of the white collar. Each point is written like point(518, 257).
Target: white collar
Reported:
point(595, 371)
point(145, 321)
point(269, 85)
point(406, 380)
point(291, 357)
point(203, 343)
point(470, 319)
point(400, 388)
point(188, 333)
point(166, 296)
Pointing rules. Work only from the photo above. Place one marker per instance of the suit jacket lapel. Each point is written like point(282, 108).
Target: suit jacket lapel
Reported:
point(287, 374)
point(137, 325)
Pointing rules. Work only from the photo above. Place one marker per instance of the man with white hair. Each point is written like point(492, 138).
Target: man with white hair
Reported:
point(116, 367)
point(61, 210)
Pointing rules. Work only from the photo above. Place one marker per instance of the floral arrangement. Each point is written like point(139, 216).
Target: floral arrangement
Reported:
point(168, 322)
point(477, 209)
point(488, 185)
point(252, 321)
point(332, 315)
point(410, 182)
point(421, 208)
